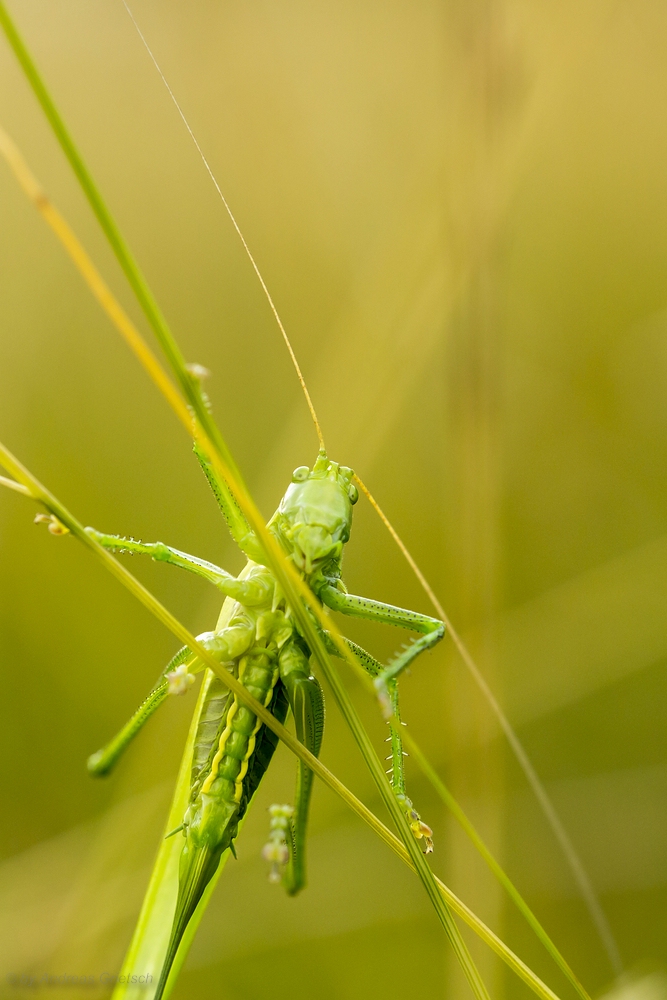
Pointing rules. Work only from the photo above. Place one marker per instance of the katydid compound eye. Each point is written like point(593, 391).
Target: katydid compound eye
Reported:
point(301, 474)
point(353, 493)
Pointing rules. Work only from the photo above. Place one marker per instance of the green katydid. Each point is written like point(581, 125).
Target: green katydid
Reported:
point(264, 647)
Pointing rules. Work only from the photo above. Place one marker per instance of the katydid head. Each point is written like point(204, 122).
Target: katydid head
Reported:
point(314, 518)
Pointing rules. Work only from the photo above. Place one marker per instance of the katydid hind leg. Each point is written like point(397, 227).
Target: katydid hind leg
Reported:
point(175, 677)
point(306, 701)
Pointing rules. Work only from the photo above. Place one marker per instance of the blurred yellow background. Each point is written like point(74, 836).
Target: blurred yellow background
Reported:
point(461, 211)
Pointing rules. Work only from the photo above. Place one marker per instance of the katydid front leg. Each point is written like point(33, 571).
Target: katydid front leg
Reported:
point(239, 529)
point(251, 591)
point(432, 630)
point(101, 763)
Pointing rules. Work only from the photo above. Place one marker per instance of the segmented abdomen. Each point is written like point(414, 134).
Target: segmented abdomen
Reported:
point(258, 672)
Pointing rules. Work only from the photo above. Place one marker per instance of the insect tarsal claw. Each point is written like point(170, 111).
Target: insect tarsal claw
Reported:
point(420, 830)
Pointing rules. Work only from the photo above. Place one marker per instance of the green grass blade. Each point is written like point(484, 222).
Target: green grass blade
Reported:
point(120, 248)
point(151, 935)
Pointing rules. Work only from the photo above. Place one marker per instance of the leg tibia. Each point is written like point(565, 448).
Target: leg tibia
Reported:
point(100, 764)
point(240, 530)
point(250, 591)
point(305, 698)
point(397, 756)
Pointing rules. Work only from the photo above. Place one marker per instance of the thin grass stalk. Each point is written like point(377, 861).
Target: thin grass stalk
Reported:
point(36, 491)
point(497, 870)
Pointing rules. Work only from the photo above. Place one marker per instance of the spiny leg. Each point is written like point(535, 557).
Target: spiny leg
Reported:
point(306, 701)
point(240, 530)
point(176, 678)
point(249, 592)
point(432, 630)
point(397, 756)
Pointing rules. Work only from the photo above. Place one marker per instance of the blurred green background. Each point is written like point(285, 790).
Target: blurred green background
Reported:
point(461, 211)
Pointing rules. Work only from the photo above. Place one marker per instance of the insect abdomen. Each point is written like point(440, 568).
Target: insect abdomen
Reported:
point(258, 672)
point(218, 699)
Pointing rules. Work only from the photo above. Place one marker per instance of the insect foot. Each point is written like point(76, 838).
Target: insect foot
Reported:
point(56, 527)
point(420, 830)
point(276, 850)
point(179, 679)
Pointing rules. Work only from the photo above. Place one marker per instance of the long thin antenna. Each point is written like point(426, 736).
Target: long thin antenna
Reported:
point(236, 226)
point(581, 877)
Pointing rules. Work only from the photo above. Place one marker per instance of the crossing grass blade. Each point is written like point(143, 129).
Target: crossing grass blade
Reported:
point(125, 326)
